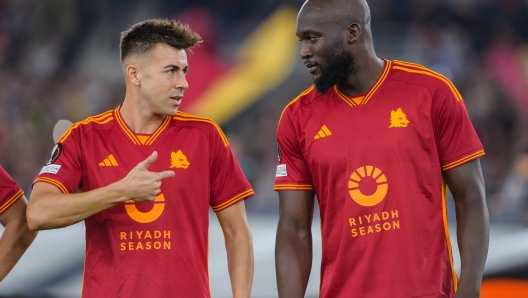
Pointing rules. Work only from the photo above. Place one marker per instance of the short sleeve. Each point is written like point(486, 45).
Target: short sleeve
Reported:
point(228, 183)
point(63, 169)
point(10, 192)
point(292, 170)
point(456, 139)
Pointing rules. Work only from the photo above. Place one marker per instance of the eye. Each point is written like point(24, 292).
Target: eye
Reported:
point(170, 71)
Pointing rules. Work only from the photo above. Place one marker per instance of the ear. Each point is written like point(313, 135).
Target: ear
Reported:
point(399, 111)
point(392, 113)
point(353, 32)
point(133, 74)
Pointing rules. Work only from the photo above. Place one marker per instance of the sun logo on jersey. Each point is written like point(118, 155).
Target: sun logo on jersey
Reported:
point(398, 119)
point(368, 186)
point(179, 160)
point(146, 216)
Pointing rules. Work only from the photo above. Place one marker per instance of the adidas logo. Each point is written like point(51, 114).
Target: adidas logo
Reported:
point(323, 132)
point(110, 161)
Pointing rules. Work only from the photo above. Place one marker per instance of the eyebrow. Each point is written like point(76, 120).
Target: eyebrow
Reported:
point(306, 32)
point(186, 68)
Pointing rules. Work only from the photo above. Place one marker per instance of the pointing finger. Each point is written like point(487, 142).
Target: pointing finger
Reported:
point(165, 174)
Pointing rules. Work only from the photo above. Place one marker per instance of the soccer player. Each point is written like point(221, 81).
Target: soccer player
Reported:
point(147, 174)
point(17, 236)
point(378, 142)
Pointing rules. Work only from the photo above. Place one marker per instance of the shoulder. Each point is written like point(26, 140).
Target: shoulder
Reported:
point(305, 98)
point(417, 74)
point(208, 126)
point(98, 122)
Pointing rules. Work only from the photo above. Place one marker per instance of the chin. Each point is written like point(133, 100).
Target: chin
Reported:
point(167, 111)
point(171, 112)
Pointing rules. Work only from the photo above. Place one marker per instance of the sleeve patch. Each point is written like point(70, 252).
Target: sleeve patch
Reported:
point(50, 169)
point(281, 171)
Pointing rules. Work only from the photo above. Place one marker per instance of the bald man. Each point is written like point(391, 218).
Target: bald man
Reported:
point(378, 142)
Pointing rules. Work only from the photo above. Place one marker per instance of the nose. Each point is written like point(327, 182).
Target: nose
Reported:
point(306, 52)
point(181, 83)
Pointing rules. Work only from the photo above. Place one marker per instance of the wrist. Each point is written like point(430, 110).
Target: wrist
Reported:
point(117, 191)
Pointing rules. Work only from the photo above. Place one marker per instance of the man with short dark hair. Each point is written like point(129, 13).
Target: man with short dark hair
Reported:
point(17, 236)
point(147, 174)
point(378, 142)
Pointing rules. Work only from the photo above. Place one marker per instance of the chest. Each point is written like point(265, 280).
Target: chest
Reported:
point(393, 126)
point(109, 159)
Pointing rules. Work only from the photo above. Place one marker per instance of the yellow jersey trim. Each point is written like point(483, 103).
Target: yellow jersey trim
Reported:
point(446, 230)
point(132, 135)
point(181, 116)
point(361, 100)
point(54, 182)
point(99, 119)
point(293, 187)
point(296, 99)
point(416, 68)
point(11, 200)
point(463, 160)
point(232, 201)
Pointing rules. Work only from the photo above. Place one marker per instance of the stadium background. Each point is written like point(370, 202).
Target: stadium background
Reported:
point(59, 59)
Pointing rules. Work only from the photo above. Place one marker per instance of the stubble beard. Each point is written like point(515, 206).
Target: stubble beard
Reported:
point(340, 66)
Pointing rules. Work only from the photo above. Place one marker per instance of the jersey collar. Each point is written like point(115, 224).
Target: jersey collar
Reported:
point(363, 99)
point(140, 139)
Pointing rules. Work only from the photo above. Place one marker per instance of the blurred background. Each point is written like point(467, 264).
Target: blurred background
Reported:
point(59, 59)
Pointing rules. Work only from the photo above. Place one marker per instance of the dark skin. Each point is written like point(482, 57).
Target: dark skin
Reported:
point(317, 36)
point(293, 251)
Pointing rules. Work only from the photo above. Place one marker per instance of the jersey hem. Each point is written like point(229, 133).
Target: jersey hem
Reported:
point(463, 160)
point(244, 195)
point(293, 187)
point(54, 182)
point(11, 201)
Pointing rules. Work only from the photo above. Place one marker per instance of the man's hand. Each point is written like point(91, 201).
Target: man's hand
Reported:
point(142, 185)
point(50, 209)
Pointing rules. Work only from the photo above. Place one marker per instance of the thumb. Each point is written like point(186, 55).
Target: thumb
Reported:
point(149, 160)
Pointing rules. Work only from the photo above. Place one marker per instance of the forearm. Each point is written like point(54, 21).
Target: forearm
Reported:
point(50, 210)
point(293, 261)
point(15, 240)
point(240, 262)
point(473, 240)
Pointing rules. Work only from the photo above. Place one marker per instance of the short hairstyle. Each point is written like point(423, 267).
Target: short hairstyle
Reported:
point(143, 36)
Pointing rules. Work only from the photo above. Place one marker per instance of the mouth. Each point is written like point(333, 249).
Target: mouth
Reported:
point(176, 100)
point(312, 67)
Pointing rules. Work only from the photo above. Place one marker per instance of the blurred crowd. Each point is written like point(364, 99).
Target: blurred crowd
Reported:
point(59, 60)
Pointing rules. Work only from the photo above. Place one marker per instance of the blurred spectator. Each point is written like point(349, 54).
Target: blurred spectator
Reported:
point(510, 204)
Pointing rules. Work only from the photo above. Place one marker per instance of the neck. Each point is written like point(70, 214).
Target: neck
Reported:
point(139, 117)
point(368, 72)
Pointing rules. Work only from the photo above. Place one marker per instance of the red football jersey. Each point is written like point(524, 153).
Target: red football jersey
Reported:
point(149, 249)
point(375, 162)
point(10, 192)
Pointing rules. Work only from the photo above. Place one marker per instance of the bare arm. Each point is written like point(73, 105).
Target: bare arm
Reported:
point(50, 209)
point(16, 237)
point(293, 247)
point(239, 246)
point(467, 186)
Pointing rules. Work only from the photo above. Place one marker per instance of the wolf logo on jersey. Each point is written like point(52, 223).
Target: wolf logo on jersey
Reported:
point(179, 160)
point(398, 119)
